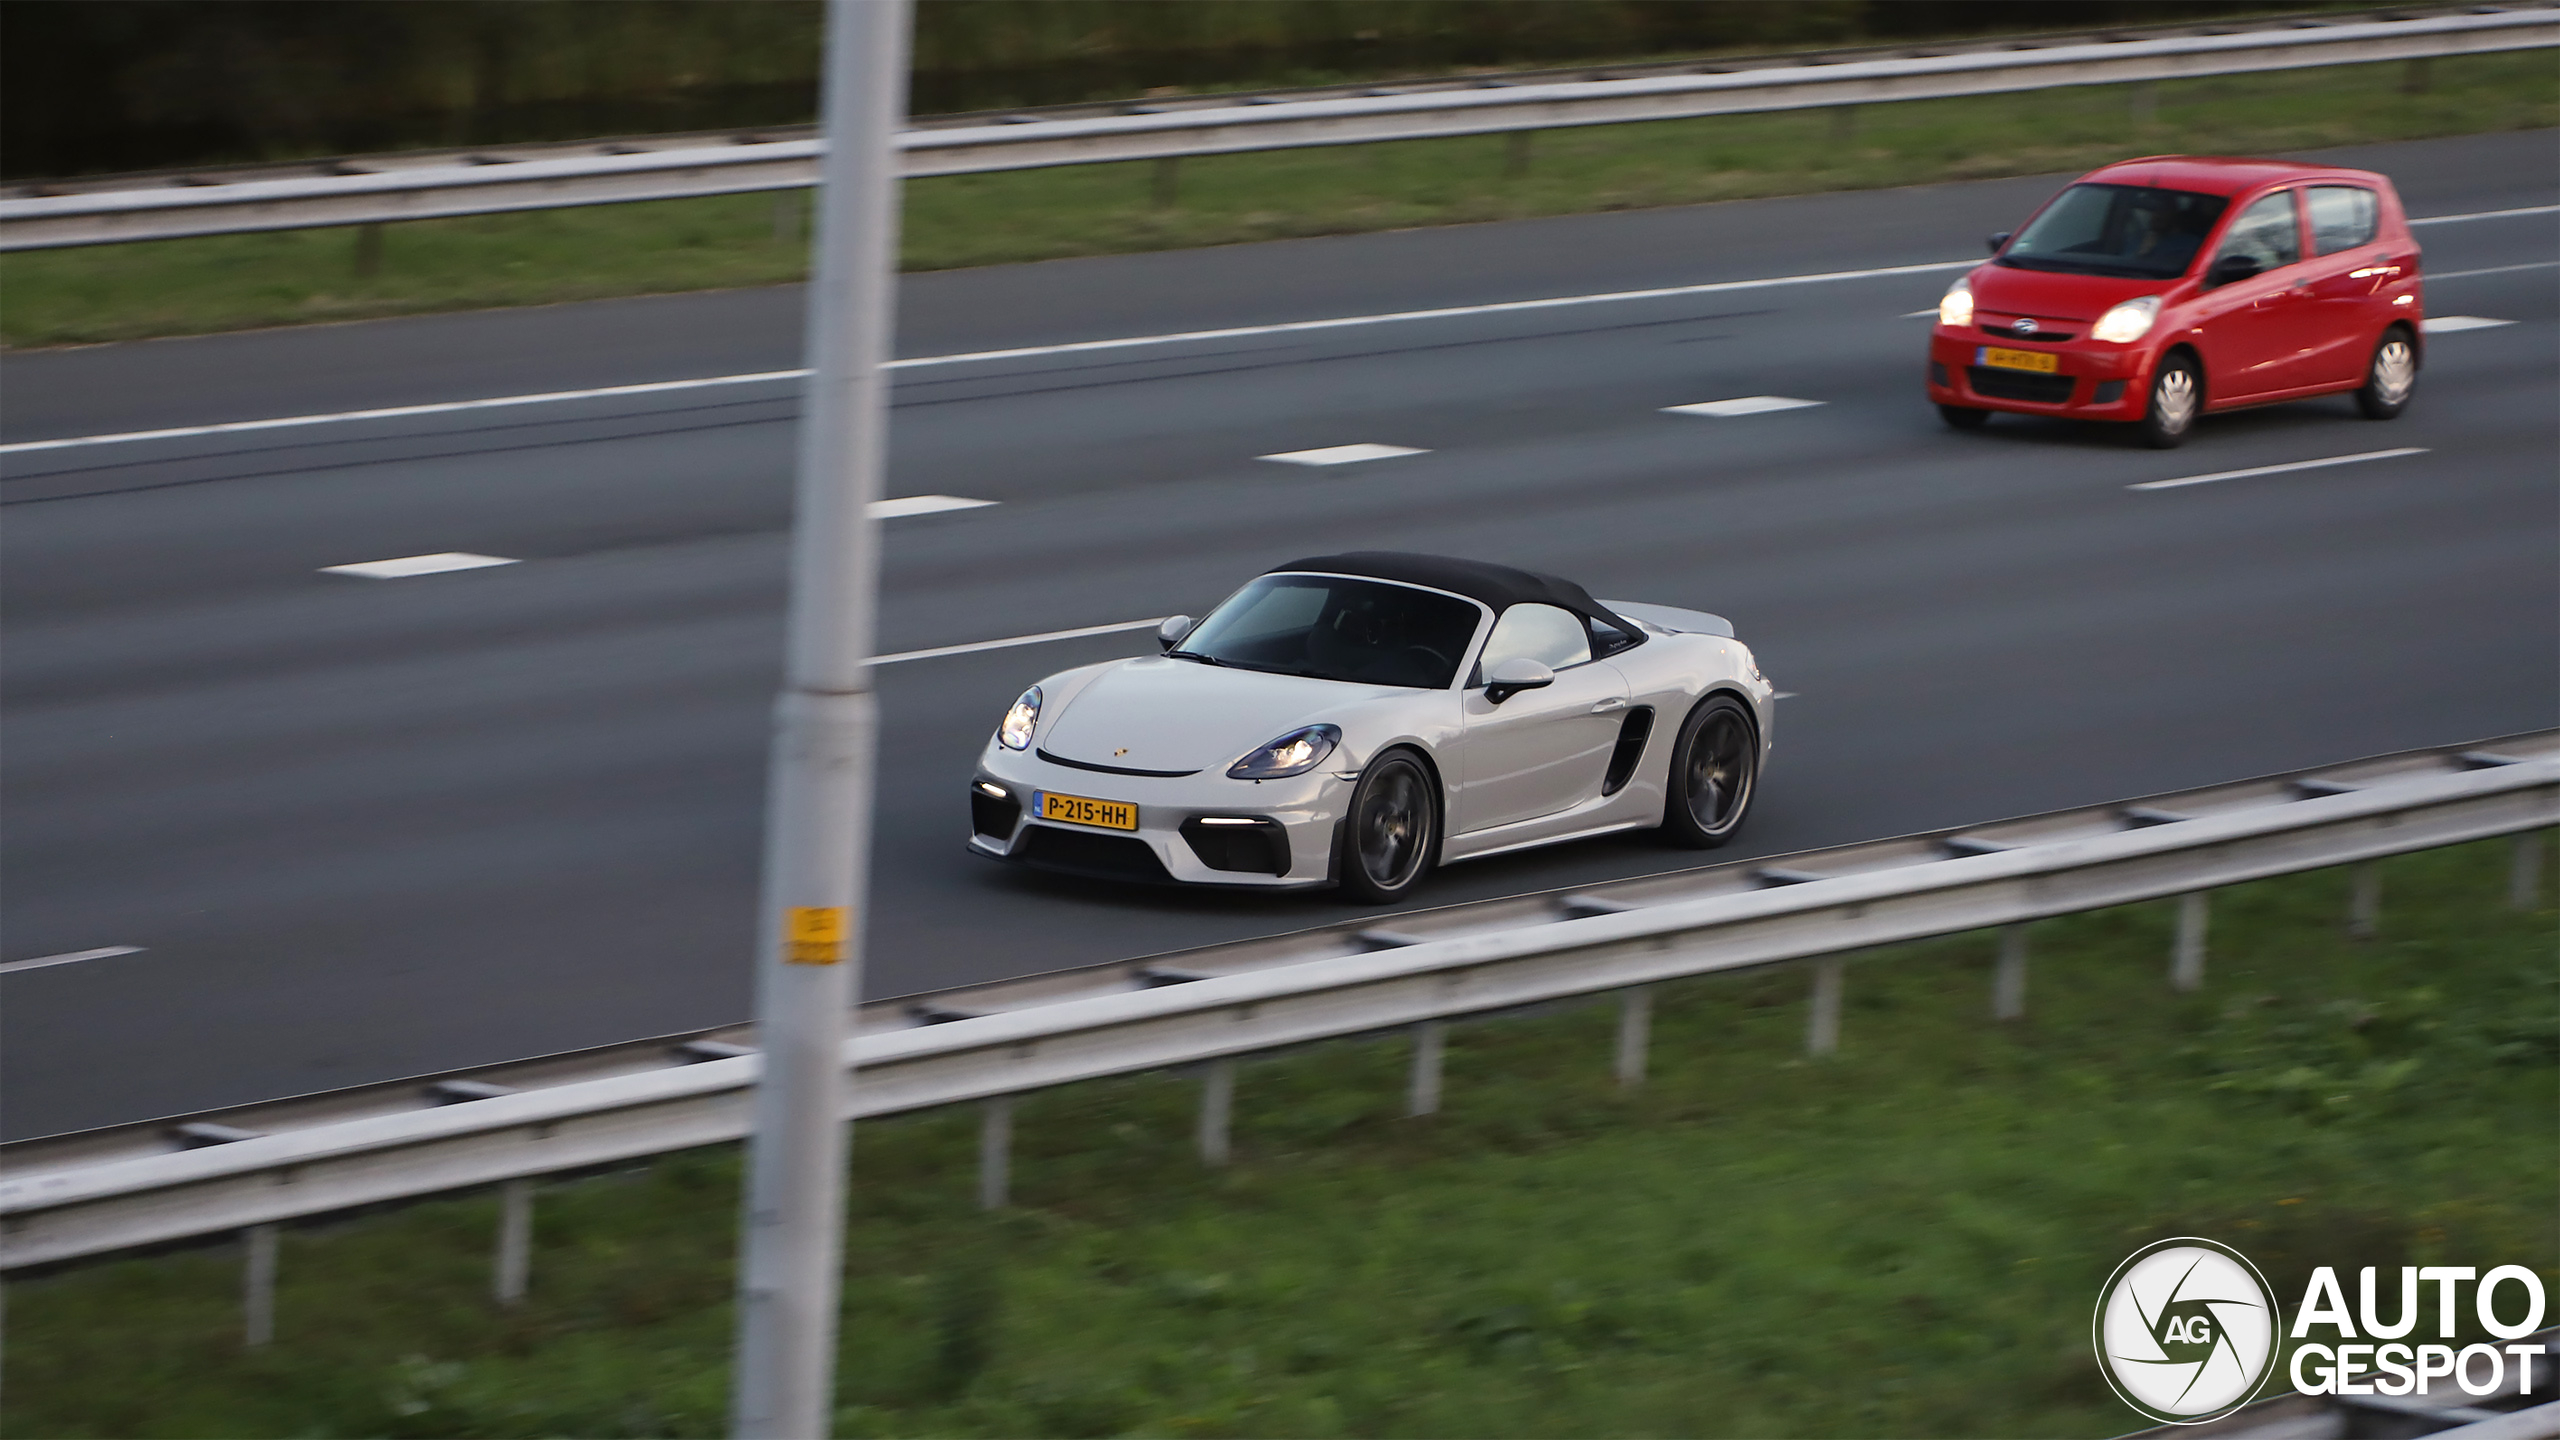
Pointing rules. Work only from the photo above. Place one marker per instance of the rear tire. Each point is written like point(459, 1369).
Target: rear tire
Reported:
point(1390, 831)
point(2390, 377)
point(2177, 398)
point(1715, 770)
point(1963, 417)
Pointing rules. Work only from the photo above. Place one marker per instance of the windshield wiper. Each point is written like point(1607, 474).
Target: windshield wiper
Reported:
point(1193, 655)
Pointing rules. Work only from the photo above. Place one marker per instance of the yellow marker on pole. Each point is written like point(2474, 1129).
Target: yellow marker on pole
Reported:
point(813, 934)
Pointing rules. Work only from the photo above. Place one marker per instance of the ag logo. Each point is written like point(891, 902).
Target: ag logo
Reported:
point(2184, 1330)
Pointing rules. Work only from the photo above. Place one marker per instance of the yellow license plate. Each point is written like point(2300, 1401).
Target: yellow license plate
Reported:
point(2037, 360)
point(1077, 810)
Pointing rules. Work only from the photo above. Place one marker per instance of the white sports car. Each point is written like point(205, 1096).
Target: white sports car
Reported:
point(1354, 720)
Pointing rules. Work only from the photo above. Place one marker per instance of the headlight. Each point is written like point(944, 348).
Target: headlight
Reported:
point(1020, 721)
point(1956, 306)
point(1295, 753)
point(2127, 322)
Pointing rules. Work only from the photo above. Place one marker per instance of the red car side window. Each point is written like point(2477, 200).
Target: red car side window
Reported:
point(2266, 232)
point(2342, 217)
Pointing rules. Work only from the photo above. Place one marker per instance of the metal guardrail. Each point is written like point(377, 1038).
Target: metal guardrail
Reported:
point(1217, 125)
point(75, 1197)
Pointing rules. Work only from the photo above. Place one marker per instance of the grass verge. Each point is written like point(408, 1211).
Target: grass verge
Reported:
point(1905, 1239)
point(123, 292)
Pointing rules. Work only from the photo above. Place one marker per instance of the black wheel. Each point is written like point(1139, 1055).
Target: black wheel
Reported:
point(1714, 770)
point(1963, 417)
point(2177, 398)
point(1392, 833)
point(2390, 377)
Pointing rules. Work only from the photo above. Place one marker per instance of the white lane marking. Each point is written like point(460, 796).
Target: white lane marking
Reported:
point(2491, 270)
point(1083, 347)
point(408, 565)
point(1342, 454)
point(103, 952)
point(2278, 469)
point(2447, 324)
point(977, 645)
point(923, 505)
point(1782, 694)
point(1745, 405)
point(2488, 215)
point(1929, 314)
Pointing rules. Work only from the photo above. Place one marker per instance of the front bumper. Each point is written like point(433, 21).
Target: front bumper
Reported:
point(1284, 843)
point(2093, 380)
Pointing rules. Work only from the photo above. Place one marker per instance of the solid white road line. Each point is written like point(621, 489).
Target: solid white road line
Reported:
point(2446, 324)
point(103, 952)
point(977, 645)
point(2278, 469)
point(1342, 454)
point(408, 565)
point(1746, 405)
point(923, 505)
point(1083, 347)
point(2493, 270)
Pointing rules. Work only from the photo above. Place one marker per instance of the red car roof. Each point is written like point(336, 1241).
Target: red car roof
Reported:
point(2214, 174)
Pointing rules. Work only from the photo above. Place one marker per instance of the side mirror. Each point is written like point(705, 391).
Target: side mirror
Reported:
point(1515, 675)
point(2230, 268)
point(1996, 241)
point(1170, 633)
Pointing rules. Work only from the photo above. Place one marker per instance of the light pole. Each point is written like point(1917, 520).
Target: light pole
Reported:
point(818, 809)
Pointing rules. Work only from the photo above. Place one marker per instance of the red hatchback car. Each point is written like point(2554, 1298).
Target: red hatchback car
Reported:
point(2155, 290)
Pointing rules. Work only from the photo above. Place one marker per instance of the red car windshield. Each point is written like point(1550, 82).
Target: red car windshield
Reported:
point(2136, 231)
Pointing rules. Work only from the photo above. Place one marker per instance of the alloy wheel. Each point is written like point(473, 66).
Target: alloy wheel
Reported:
point(1719, 771)
point(2395, 371)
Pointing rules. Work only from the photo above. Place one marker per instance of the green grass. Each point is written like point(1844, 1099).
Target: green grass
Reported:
point(229, 282)
point(1906, 1239)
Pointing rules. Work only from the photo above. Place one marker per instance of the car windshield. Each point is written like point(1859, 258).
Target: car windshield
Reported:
point(2131, 230)
point(1336, 627)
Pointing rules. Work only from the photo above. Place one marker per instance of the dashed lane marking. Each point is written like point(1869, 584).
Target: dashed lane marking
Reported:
point(103, 952)
point(2278, 469)
point(923, 505)
point(1006, 644)
point(1342, 454)
point(1744, 405)
point(409, 565)
point(2447, 324)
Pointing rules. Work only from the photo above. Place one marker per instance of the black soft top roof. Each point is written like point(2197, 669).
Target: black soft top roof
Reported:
point(1499, 586)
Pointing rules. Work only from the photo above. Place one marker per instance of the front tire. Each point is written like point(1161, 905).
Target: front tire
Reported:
point(2389, 377)
point(2177, 398)
point(1391, 832)
point(1715, 770)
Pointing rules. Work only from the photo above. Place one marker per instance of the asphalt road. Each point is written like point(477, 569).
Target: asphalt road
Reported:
point(370, 828)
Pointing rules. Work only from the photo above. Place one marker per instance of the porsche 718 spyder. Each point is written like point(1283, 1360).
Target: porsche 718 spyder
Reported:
point(1355, 720)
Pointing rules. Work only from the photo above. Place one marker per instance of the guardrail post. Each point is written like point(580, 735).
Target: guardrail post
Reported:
point(515, 1240)
point(2414, 76)
point(1422, 1092)
point(1822, 1028)
point(1217, 1100)
point(1635, 1033)
point(258, 1286)
point(786, 216)
point(1515, 153)
point(2186, 962)
point(1844, 124)
point(1166, 181)
point(2364, 902)
point(995, 1153)
point(2524, 871)
point(2009, 982)
point(369, 250)
point(2142, 102)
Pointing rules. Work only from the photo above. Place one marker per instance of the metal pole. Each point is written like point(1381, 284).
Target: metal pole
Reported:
point(258, 1287)
point(515, 1240)
point(1165, 184)
point(1822, 1028)
point(995, 1154)
point(2186, 963)
point(1422, 1093)
point(2364, 902)
point(2524, 871)
point(2009, 985)
point(1635, 1031)
point(1515, 154)
point(1217, 1103)
point(818, 804)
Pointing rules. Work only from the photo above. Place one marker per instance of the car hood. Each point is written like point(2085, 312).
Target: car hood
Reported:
point(1179, 715)
point(2051, 295)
